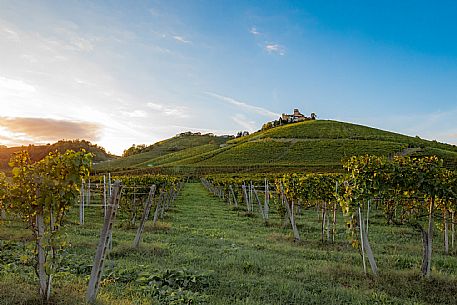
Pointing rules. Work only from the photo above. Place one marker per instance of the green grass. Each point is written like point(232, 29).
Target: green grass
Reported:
point(239, 260)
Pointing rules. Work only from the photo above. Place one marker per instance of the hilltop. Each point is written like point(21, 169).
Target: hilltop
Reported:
point(313, 145)
point(37, 152)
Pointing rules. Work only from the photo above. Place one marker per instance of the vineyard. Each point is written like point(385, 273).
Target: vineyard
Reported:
point(382, 230)
point(312, 146)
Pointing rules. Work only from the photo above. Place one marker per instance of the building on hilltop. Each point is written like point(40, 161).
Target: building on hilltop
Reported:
point(284, 119)
point(296, 117)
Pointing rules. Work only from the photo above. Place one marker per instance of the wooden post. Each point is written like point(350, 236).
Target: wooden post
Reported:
point(334, 213)
point(334, 223)
point(370, 256)
point(452, 230)
point(324, 216)
point(290, 212)
point(446, 233)
point(97, 268)
point(104, 193)
point(147, 209)
point(41, 256)
point(234, 197)
point(361, 241)
point(88, 192)
point(260, 205)
point(245, 193)
point(328, 227)
point(366, 248)
point(156, 212)
point(109, 184)
point(81, 204)
point(267, 199)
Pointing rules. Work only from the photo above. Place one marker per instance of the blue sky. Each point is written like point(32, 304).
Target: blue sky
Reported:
point(124, 72)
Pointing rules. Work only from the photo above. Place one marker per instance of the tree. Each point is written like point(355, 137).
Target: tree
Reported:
point(133, 150)
point(42, 193)
point(267, 126)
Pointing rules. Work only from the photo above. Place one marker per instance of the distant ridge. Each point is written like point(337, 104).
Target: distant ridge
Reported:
point(38, 152)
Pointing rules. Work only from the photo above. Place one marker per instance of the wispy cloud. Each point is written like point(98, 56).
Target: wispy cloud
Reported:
point(135, 114)
point(181, 39)
point(275, 48)
point(15, 87)
point(244, 122)
point(9, 34)
point(254, 31)
point(252, 108)
point(270, 47)
point(176, 111)
point(48, 130)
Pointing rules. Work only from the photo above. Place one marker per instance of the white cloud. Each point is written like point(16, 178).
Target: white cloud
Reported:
point(275, 48)
point(244, 122)
point(254, 31)
point(71, 40)
point(9, 34)
point(252, 108)
point(135, 114)
point(181, 39)
point(82, 44)
point(15, 87)
point(176, 111)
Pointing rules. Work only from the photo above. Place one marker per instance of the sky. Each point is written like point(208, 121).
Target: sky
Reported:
point(119, 73)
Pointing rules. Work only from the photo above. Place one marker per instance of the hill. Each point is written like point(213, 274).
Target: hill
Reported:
point(38, 152)
point(180, 147)
point(310, 146)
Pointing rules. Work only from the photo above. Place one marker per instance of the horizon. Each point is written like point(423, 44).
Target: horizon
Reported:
point(193, 132)
point(122, 74)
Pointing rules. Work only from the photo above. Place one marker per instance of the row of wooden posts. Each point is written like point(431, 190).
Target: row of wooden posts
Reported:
point(163, 202)
point(252, 194)
point(90, 189)
point(325, 211)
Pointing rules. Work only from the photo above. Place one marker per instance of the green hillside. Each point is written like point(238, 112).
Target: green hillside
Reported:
point(179, 147)
point(312, 145)
point(37, 152)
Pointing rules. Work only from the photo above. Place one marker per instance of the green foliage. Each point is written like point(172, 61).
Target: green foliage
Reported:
point(405, 186)
point(41, 194)
point(4, 191)
point(133, 150)
point(38, 152)
point(136, 190)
